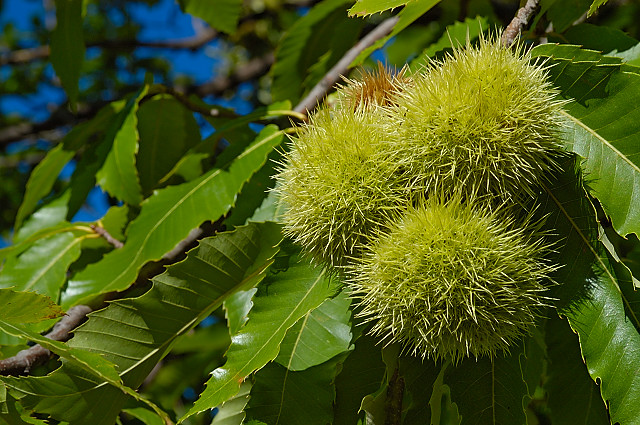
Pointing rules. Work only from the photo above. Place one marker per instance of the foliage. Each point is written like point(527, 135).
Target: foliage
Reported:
point(206, 311)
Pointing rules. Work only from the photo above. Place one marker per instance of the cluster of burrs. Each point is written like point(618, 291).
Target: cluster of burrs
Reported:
point(414, 188)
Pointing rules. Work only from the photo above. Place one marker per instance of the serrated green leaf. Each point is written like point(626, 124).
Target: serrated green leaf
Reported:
point(15, 414)
point(167, 217)
point(362, 374)
point(412, 11)
point(600, 302)
point(41, 181)
point(270, 209)
point(222, 15)
point(167, 130)
point(488, 391)
point(136, 333)
point(146, 416)
point(67, 46)
point(87, 361)
point(282, 299)
point(44, 175)
point(118, 175)
point(369, 7)
point(237, 307)
point(325, 29)
point(318, 336)
point(27, 307)
point(573, 397)
point(600, 38)
point(281, 396)
point(602, 127)
point(51, 214)
point(43, 267)
point(595, 5)
point(232, 411)
point(254, 192)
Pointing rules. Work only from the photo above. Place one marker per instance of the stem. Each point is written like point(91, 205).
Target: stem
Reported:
point(333, 75)
point(518, 22)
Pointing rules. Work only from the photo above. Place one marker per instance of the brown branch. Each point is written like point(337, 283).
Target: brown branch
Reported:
point(190, 104)
point(60, 117)
point(22, 362)
point(104, 234)
point(42, 52)
point(518, 22)
point(333, 75)
point(255, 68)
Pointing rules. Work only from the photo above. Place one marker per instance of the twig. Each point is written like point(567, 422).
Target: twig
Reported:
point(518, 22)
point(218, 86)
point(189, 104)
point(58, 118)
point(104, 234)
point(340, 68)
point(22, 362)
point(43, 52)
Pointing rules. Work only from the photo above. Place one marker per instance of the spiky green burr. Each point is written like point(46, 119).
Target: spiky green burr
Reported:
point(451, 280)
point(484, 121)
point(334, 189)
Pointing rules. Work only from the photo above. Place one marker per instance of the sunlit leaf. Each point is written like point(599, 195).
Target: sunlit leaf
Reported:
point(412, 11)
point(44, 175)
point(134, 334)
point(595, 5)
point(167, 217)
point(27, 307)
point(602, 126)
point(282, 299)
point(118, 176)
point(147, 416)
point(237, 307)
point(43, 267)
point(597, 297)
point(318, 336)
point(369, 7)
point(232, 411)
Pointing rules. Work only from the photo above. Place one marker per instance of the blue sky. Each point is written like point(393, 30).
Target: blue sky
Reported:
point(162, 21)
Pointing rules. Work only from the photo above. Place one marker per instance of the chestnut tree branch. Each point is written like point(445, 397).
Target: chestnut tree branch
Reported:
point(106, 236)
point(518, 22)
point(42, 52)
point(333, 75)
point(22, 362)
point(254, 68)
